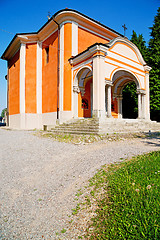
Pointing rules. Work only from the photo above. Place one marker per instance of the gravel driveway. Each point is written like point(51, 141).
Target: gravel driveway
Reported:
point(39, 178)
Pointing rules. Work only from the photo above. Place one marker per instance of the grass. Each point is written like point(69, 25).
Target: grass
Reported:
point(129, 206)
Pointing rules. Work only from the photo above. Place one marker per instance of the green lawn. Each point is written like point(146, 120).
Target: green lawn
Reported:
point(130, 205)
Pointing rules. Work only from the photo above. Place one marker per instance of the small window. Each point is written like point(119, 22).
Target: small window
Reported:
point(47, 55)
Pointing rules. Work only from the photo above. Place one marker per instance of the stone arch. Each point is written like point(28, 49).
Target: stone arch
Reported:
point(81, 74)
point(80, 80)
point(120, 78)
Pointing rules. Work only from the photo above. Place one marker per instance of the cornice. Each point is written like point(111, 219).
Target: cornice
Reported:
point(71, 14)
point(50, 26)
point(94, 50)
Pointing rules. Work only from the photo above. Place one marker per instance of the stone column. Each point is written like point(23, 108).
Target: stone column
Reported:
point(109, 115)
point(119, 98)
point(109, 98)
point(143, 106)
point(98, 86)
point(139, 106)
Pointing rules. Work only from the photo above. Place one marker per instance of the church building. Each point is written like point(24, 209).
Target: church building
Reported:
point(72, 67)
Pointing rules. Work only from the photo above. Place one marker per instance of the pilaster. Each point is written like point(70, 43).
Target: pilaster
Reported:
point(61, 69)
point(74, 38)
point(147, 69)
point(39, 77)
point(22, 83)
point(39, 84)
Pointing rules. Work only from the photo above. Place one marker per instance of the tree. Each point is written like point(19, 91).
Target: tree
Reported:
point(154, 62)
point(3, 112)
point(140, 43)
point(129, 92)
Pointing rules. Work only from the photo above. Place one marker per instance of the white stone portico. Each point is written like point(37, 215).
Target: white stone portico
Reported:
point(111, 67)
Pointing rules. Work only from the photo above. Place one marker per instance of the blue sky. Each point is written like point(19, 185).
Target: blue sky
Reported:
point(18, 16)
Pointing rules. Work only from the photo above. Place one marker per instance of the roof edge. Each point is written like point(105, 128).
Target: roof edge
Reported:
point(53, 17)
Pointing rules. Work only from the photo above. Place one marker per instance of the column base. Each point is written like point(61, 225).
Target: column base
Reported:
point(109, 115)
point(119, 116)
point(98, 114)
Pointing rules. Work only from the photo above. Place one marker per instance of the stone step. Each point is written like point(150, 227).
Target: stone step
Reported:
point(93, 126)
point(77, 127)
point(79, 124)
point(75, 132)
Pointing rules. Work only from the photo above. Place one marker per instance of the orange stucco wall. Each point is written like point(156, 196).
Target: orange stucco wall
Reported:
point(86, 39)
point(82, 112)
point(115, 108)
point(49, 74)
point(30, 78)
point(67, 67)
point(14, 72)
point(80, 109)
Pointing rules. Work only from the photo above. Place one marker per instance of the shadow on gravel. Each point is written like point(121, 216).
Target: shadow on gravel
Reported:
point(153, 138)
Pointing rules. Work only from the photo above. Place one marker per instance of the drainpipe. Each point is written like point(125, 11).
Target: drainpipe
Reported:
point(58, 68)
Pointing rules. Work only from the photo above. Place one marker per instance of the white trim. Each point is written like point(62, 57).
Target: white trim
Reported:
point(67, 21)
point(22, 77)
point(91, 31)
point(29, 42)
point(39, 78)
point(147, 97)
point(81, 17)
point(124, 67)
point(61, 68)
point(82, 64)
point(74, 38)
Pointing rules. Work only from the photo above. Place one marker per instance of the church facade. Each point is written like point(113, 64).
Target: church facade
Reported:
point(73, 67)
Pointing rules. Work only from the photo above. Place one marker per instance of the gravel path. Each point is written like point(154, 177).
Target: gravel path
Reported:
point(39, 178)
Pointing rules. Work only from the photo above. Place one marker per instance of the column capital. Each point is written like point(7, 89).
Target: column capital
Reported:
point(39, 42)
point(76, 89)
point(108, 82)
point(23, 43)
point(141, 91)
point(147, 69)
point(99, 54)
point(119, 96)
